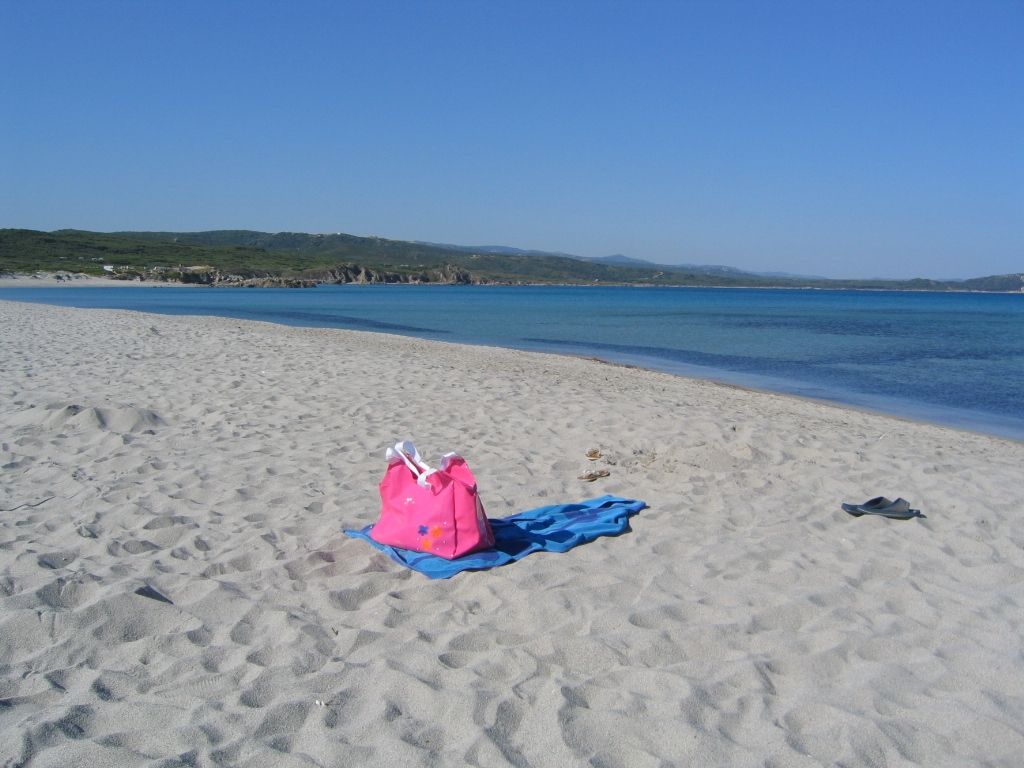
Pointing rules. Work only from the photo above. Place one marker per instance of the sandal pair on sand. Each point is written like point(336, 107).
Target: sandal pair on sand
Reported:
point(883, 507)
point(595, 474)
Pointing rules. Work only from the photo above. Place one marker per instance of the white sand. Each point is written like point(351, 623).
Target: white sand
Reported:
point(745, 621)
point(75, 280)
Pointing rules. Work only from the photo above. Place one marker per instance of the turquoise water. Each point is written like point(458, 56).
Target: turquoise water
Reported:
point(950, 358)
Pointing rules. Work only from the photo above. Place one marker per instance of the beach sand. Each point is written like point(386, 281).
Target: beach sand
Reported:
point(75, 280)
point(745, 620)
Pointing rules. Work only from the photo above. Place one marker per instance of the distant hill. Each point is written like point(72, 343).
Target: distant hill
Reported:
point(618, 259)
point(498, 249)
point(707, 269)
point(339, 257)
point(790, 276)
point(1001, 283)
point(702, 269)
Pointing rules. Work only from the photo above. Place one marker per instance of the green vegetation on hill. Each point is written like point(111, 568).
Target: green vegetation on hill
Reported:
point(26, 250)
point(341, 257)
point(1002, 283)
point(308, 253)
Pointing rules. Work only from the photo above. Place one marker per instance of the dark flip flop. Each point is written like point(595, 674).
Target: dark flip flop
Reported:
point(883, 507)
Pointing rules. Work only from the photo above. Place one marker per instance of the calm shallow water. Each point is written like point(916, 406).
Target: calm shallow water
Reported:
point(955, 359)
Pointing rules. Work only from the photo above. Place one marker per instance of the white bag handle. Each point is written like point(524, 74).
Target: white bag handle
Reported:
point(406, 452)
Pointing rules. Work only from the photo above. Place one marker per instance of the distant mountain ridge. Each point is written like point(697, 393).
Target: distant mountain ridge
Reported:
point(622, 260)
point(505, 250)
point(710, 269)
point(304, 258)
point(616, 259)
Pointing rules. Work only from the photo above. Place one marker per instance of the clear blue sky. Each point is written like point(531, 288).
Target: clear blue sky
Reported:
point(837, 138)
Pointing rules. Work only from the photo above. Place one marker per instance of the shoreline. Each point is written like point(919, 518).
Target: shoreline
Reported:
point(80, 280)
point(177, 486)
point(839, 404)
point(947, 417)
point(711, 379)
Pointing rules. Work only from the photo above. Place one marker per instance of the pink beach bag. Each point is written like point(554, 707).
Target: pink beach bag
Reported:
point(430, 510)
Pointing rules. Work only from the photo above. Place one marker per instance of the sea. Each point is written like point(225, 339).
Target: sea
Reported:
point(955, 359)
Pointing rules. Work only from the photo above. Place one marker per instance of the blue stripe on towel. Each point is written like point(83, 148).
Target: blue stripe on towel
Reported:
point(556, 528)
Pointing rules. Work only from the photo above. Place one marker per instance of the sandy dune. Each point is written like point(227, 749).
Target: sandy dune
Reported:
point(175, 589)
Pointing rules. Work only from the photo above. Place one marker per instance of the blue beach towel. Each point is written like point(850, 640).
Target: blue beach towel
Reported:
point(556, 528)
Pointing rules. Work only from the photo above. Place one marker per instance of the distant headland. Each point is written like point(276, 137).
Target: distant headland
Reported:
point(296, 259)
